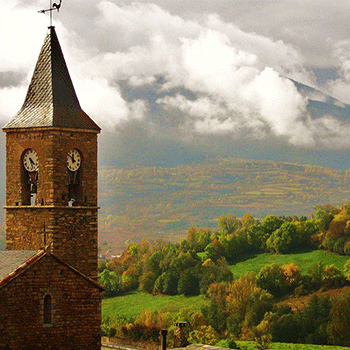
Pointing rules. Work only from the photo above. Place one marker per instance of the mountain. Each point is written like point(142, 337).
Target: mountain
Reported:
point(321, 104)
point(163, 202)
point(156, 183)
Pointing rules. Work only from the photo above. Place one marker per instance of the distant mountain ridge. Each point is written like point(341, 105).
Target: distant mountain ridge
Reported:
point(163, 202)
point(320, 104)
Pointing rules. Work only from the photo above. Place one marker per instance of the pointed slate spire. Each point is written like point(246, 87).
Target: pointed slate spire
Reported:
point(51, 100)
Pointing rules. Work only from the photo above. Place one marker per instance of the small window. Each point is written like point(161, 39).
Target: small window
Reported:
point(47, 309)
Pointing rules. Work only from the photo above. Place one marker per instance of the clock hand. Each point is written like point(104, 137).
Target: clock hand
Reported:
point(31, 161)
point(72, 157)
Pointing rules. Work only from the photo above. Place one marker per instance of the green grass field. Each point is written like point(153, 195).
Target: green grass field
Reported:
point(133, 304)
point(289, 346)
point(303, 260)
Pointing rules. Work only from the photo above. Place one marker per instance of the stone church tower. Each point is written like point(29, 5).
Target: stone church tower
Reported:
point(49, 296)
point(51, 167)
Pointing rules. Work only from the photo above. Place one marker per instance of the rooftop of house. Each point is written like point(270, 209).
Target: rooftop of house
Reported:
point(10, 260)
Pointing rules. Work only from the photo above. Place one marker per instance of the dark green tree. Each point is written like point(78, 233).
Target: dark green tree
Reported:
point(338, 328)
point(188, 283)
point(111, 282)
point(270, 279)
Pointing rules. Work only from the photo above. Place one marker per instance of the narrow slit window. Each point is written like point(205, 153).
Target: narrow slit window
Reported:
point(47, 309)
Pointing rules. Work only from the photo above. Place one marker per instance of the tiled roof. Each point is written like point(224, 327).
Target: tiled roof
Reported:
point(51, 100)
point(10, 260)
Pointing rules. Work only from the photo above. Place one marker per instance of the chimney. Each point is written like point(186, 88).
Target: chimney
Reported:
point(180, 335)
point(164, 333)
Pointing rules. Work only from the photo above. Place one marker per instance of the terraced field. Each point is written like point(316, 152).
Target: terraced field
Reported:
point(157, 202)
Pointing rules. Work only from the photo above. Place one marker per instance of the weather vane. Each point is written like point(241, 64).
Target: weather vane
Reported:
point(52, 8)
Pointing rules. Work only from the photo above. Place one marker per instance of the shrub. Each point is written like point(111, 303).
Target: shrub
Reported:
point(227, 344)
point(205, 335)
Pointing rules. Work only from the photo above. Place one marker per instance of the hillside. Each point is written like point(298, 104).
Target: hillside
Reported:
point(161, 202)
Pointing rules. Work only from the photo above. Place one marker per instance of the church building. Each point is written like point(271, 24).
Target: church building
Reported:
point(49, 294)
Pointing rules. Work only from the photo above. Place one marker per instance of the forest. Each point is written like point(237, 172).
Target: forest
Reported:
point(250, 307)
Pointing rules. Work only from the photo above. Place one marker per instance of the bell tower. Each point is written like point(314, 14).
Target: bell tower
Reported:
point(51, 167)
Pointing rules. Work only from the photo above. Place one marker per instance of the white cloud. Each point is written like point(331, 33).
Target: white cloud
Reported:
point(339, 88)
point(11, 100)
point(235, 76)
point(107, 107)
point(201, 108)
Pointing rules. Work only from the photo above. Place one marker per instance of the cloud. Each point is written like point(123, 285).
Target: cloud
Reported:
point(339, 88)
point(222, 77)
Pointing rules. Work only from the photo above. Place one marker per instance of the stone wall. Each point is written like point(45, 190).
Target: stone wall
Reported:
point(52, 146)
point(70, 231)
point(75, 316)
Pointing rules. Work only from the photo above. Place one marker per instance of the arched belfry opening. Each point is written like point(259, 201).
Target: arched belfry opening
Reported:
point(29, 176)
point(74, 168)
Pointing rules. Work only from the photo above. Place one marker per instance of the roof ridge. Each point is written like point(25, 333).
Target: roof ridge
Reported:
point(32, 260)
point(21, 268)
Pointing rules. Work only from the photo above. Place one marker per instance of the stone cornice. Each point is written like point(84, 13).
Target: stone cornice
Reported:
point(51, 207)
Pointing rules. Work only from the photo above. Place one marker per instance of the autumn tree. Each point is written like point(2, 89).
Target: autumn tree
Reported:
point(290, 276)
point(338, 328)
point(228, 224)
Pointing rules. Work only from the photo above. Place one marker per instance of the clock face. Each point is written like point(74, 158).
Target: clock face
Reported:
point(73, 160)
point(30, 160)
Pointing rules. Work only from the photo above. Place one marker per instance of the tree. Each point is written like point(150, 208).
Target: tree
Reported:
point(284, 238)
point(130, 278)
point(332, 277)
point(111, 282)
point(313, 320)
point(271, 223)
point(270, 278)
point(316, 273)
point(246, 304)
point(247, 220)
point(228, 224)
point(286, 329)
point(338, 328)
point(197, 239)
point(235, 244)
point(170, 282)
point(290, 276)
point(257, 237)
point(324, 218)
point(214, 272)
point(214, 250)
point(188, 283)
point(215, 312)
point(146, 281)
point(347, 270)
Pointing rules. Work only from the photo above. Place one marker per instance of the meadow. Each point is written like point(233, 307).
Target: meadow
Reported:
point(134, 303)
point(288, 346)
point(304, 260)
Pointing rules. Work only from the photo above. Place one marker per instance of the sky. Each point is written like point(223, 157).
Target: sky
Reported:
point(173, 81)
